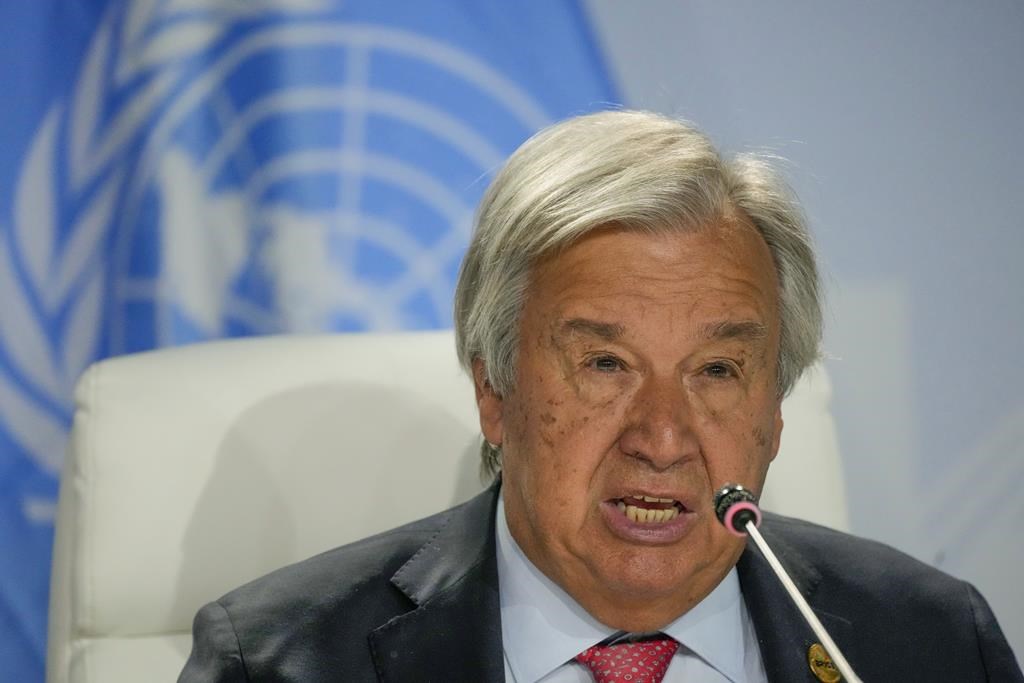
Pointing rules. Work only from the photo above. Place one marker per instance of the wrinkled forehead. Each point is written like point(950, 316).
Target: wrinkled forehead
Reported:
point(721, 259)
point(723, 221)
point(729, 243)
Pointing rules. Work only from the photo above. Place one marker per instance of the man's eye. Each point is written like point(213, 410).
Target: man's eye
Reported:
point(605, 363)
point(719, 370)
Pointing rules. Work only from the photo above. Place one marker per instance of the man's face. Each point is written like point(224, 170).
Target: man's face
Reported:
point(647, 368)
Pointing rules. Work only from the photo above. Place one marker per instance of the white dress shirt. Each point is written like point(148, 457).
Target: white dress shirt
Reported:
point(543, 629)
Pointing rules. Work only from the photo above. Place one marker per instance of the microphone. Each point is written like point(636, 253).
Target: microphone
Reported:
point(736, 508)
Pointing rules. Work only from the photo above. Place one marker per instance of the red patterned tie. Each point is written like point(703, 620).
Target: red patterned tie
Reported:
point(642, 662)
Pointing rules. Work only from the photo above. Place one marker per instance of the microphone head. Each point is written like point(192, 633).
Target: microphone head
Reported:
point(735, 507)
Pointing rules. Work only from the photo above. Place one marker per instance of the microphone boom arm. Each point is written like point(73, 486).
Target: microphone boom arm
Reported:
point(809, 616)
point(736, 508)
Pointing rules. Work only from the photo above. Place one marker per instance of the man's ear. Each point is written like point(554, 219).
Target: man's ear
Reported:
point(489, 404)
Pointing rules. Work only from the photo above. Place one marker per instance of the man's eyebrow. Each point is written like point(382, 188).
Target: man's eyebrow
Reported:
point(744, 330)
point(594, 328)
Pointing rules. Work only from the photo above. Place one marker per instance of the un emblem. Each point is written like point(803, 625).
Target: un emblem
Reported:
point(241, 171)
point(310, 175)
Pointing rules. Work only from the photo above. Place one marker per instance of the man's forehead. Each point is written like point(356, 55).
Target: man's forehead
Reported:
point(627, 283)
point(740, 330)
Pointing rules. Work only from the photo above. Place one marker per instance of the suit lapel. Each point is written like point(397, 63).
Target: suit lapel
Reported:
point(455, 631)
point(783, 635)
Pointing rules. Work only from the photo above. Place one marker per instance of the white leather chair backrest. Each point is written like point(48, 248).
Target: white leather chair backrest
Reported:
point(195, 469)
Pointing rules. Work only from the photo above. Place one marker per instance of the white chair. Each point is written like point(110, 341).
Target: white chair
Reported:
point(193, 470)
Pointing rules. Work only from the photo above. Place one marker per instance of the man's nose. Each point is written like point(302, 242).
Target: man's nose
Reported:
point(660, 424)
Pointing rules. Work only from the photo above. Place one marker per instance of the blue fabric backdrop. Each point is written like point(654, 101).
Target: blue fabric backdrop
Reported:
point(180, 170)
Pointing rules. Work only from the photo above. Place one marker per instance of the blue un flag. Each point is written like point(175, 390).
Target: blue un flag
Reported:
point(180, 170)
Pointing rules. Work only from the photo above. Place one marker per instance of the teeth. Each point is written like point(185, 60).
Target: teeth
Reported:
point(645, 516)
point(649, 499)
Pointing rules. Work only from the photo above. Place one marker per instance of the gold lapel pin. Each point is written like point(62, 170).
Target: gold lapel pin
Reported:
point(821, 664)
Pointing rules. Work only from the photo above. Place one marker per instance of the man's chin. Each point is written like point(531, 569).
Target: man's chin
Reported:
point(652, 586)
point(639, 606)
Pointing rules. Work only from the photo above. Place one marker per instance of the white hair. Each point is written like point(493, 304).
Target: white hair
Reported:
point(635, 170)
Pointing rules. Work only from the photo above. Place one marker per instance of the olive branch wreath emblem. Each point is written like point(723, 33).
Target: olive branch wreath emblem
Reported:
point(52, 272)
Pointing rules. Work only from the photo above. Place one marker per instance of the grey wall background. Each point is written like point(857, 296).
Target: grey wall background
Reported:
point(902, 126)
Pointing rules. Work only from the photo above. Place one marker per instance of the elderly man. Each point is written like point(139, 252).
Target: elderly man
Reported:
point(632, 309)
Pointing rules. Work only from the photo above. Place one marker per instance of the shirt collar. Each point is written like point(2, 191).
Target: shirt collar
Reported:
point(542, 627)
point(714, 630)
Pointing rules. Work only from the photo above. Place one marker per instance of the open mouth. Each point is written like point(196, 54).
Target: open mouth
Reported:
point(649, 510)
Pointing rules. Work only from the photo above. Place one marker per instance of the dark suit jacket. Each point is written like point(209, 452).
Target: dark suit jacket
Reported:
point(420, 603)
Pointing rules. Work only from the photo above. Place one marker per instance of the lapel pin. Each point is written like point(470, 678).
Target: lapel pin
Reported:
point(821, 664)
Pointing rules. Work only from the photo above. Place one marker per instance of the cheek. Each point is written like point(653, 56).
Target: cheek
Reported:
point(567, 410)
point(599, 392)
point(719, 403)
point(763, 448)
point(548, 429)
point(743, 438)
point(761, 438)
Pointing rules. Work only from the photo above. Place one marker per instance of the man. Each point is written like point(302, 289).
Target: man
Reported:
point(632, 309)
